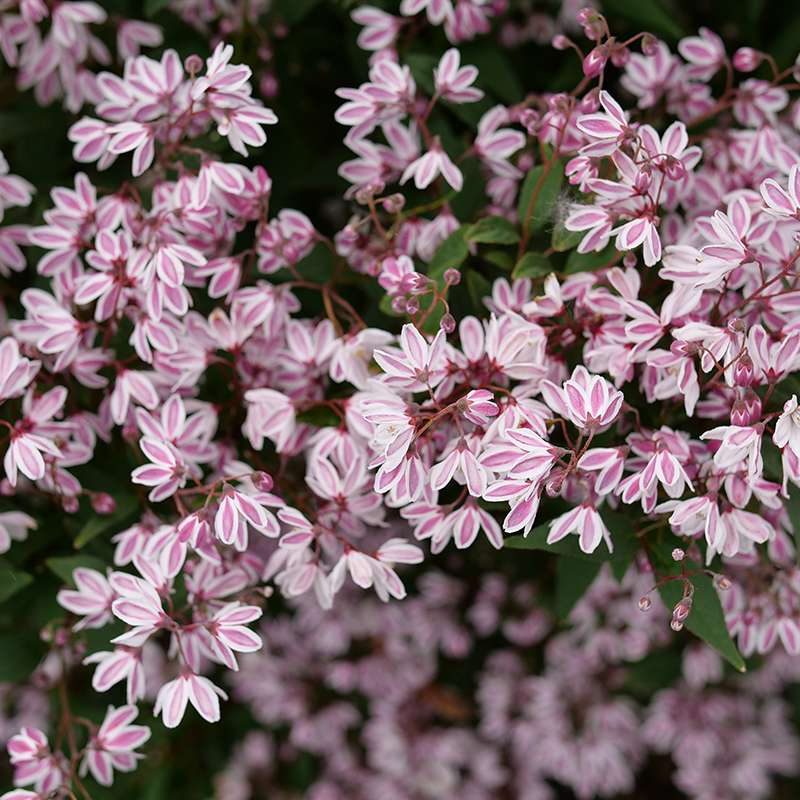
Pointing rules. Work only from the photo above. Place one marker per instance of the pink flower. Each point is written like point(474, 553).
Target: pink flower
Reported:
point(113, 746)
point(92, 599)
point(454, 82)
point(779, 201)
point(478, 406)
point(33, 762)
point(166, 472)
point(587, 523)
point(174, 696)
point(237, 510)
point(588, 401)
point(425, 169)
point(121, 664)
point(228, 632)
point(380, 28)
point(419, 365)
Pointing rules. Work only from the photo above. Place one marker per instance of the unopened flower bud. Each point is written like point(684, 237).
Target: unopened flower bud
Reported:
point(722, 583)
point(678, 554)
point(629, 261)
point(620, 56)
point(649, 45)
point(262, 481)
point(70, 505)
point(104, 503)
point(645, 603)
point(745, 59)
point(560, 42)
point(452, 277)
point(268, 85)
point(394, 203)
point(399, 305)
point(676, 625)
point(594, 63)
point(682, 609)
point(448, 323)
point(529, 119)
point(412, 305)
point(193, 64)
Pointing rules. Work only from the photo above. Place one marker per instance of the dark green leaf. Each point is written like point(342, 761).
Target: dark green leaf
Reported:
point(126, 507)
point(532, 265)
point(293, 11)
point(539, 195)
point(19, 658)
point(793, 510)
point(501, 259)
point(152, 7)
point(452, 253)
point(64, 565)
point(648, 14)
point(564, 240)
point(12, 580)
point(320, 416)
point(706, 619)
point(478, 288)
point(588, 262)
point(492, 230)
point(573, 578)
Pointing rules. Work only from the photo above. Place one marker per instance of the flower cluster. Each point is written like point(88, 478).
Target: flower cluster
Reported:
point(567, 323)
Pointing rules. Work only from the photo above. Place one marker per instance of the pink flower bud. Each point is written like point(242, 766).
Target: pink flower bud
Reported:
point(649, 45)
point(561, 42)
point(452, 277)
point(645, 603)
point(678, 554)
point(745, 59)
point(262, 481)
point(193, 64)
point(448, 323)
point(594, 63)
point(676, 625)
point(70, 505)
point(394, 203)
point(399, 305)
point(722, 583)
point(412, 305)
point(104, 503)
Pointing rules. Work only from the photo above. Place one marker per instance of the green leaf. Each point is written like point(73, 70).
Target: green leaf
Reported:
point(320, 416)
point(588, 262)
point(293, 11)
point(622, 537)
point(706, 619)
point(564, 240)
point(64, 565)
point(568, 546)
point(152, 7)
point(492, 230)
point(422, 66)
point(126, 507)
point(793, 509)
point(649, 15)
point(573, 578)
point(452, 253)
point(539, 195)
point(501, 259)
point(19, 658)
point(317, 266)
point(477, 288)
point(12, 580)
point(532, 265)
